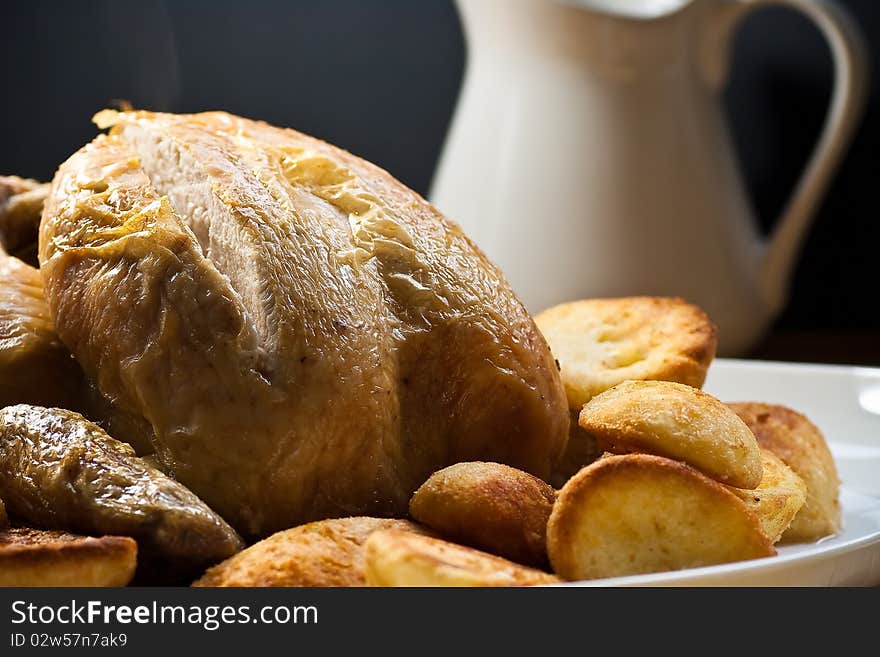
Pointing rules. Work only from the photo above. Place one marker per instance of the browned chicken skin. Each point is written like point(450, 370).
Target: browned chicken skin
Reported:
point(60, 471)
point(35, 367)
point(307, 337)
point(21, 203)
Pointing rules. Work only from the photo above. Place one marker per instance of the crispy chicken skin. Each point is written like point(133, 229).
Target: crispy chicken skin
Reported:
point(307, 337)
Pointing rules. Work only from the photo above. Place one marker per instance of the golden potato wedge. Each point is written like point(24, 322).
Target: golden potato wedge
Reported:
point(802, 447)
point(488, 506)
point(779, 497)
point(602, 342)
point(32, 557)
point(581, 450)
point(639, 513)
point(676, 421)
point(399, 558)
point(323, 553)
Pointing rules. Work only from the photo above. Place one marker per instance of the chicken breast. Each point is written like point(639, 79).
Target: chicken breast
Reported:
point(307, 337)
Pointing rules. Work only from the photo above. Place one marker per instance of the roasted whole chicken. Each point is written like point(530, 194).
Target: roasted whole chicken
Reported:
point(304, 336)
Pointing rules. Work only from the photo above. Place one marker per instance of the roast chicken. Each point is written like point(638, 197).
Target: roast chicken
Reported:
point(306, 337)
point(34, 366)
point(21, 203)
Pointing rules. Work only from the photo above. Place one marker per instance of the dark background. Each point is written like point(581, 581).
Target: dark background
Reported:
point(380, 78)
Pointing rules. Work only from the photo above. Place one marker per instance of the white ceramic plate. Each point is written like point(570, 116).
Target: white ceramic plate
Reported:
point(845, 404)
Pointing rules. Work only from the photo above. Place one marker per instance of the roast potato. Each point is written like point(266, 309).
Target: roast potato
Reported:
point(676, 421)
point(32, 557)
point(399, 558)
point(489, 506)
point(779, 497)
point(802, 447)
point(322, 553)
point(602, 342)
point(639, 513)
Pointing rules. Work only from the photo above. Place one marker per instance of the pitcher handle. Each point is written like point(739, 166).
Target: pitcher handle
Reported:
point(849, 54)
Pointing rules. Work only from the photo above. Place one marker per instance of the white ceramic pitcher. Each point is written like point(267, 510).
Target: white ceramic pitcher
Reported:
point(590, 156)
